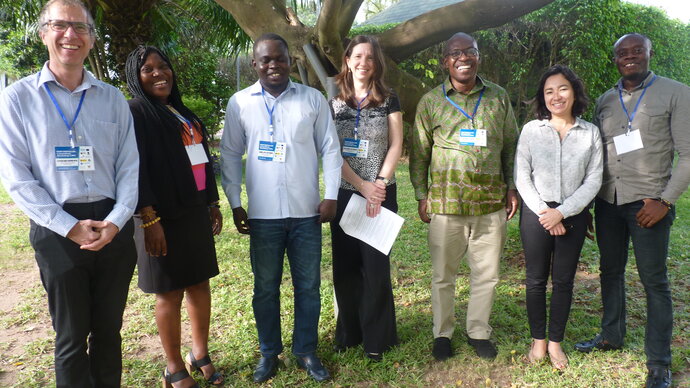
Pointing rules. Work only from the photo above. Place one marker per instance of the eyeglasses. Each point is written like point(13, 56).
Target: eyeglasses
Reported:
point(469, 52)
point(62, 26)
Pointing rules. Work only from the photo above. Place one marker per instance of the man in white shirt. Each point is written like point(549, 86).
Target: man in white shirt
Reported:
point(283, 127)
point(69, 160)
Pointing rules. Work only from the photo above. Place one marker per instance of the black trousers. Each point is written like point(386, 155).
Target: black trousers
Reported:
point(87, 292)
point(557, 255)
point(362, 282)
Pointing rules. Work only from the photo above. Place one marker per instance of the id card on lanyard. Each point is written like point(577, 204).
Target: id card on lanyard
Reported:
point(356, 148)
point(195, 151)
point(469, 136)
point(271, 151)
point(72, 158)
point(631, 140)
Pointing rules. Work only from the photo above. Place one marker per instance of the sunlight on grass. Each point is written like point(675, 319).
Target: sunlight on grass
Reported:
point(234, 345)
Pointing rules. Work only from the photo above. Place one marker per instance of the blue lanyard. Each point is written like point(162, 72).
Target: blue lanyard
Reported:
point(359, 110)
point(476, 107)
point(183, 120)
point(69, 126)
point(632, 116)
point(270, 113)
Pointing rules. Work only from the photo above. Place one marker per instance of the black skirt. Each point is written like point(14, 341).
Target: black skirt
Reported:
point(191, 257)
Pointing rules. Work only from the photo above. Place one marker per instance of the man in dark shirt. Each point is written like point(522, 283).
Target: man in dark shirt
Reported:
point(643, 119)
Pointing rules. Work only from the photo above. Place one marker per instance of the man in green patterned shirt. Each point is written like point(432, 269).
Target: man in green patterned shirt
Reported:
point(461, 167)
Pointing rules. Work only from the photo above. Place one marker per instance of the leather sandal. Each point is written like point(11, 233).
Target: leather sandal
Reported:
point(531, 357)
point(559, 363)
point(169, 379)
point(195, 365)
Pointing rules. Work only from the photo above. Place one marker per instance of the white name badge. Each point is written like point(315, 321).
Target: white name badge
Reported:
point(473, 137)
point(196, 154)
point(357, 148)
point(272, 151)
point(74, 159)
point(627, 142)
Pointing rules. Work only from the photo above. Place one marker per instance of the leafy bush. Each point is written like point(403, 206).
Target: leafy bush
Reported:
point(206, 111)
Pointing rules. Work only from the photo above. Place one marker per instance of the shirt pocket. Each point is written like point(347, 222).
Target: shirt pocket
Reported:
point(104, 138)
point(607, 121)
point(303, 130)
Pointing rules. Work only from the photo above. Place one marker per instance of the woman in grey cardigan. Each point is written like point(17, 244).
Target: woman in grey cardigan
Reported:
point(558, 170)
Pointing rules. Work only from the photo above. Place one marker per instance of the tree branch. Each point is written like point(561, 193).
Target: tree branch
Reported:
point(327, 31)
point(348, 13)
point(436, 26)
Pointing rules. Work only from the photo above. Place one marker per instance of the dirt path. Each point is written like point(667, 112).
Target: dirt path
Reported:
point(15, 336)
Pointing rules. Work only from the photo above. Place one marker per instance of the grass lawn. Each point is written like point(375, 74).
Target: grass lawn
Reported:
point(233, 336)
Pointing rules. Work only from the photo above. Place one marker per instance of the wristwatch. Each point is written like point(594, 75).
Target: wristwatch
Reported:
point(385, 180)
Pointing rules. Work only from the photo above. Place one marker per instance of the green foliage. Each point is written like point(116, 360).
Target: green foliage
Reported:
point(426, 66)
point(21, 53)
point(579, 34)
point(206, 111)
point(201, 73)
point(370, 29)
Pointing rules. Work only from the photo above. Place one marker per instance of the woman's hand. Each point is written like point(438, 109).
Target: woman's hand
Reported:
point(549, 218)
point(216, 220)
point(154, 240)
point(557, 230)
point(374, 192)
point(373, 209)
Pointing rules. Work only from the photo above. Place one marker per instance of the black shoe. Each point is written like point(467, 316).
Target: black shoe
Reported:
point(376, 357)
point(265, 369)
point(597, 342)
point(484, 348)
point(658, 377)
point(442, 350)
point(313, 366)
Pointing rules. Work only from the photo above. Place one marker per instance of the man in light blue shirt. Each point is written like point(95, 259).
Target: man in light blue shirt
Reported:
point(284, 128)
point(69, 160)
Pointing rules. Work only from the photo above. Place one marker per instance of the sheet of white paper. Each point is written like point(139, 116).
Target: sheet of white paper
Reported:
point(380, 232)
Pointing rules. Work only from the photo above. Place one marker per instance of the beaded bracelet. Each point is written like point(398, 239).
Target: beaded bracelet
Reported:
point(150, 214)
point(147, 224)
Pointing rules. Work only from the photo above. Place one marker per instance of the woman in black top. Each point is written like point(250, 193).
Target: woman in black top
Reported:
point(178, 206)
point(365, 111)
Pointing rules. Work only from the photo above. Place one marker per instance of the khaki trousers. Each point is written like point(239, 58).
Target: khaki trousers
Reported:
point(450, 237)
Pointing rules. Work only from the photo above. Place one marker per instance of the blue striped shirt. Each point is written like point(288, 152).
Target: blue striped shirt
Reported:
point(31, 128)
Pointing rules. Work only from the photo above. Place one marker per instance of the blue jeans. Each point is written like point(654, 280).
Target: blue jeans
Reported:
point(268, 241)
point(616, 226)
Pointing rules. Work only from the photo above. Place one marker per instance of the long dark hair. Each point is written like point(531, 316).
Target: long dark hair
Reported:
point(135, 60)
point(377, 89)
point(581, 100)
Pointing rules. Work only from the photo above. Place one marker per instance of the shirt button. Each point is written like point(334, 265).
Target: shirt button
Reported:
point(618, 177)
point(618, 160)
point(79, 137)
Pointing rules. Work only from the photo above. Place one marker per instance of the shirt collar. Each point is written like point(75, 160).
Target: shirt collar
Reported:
point(45, 76)
point(643, 84)
point(579, 123)
point(256, 89)
point(476, 89)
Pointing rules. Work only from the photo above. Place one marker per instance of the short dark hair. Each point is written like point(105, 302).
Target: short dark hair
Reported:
point(456, 36)
point(43, 15)
point(645, 38)
point(581, 100)
point(270, 36)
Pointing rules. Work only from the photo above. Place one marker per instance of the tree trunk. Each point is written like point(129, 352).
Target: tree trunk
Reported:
point(260, 16)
